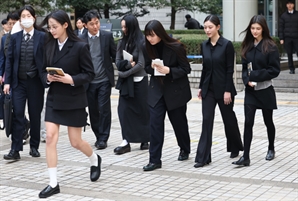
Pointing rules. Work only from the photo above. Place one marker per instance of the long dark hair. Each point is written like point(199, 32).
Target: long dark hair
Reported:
point(154, 26)
point(61, 17)
point(31, 11)
point(248, 41)
point(134, 36)
point(214, 20)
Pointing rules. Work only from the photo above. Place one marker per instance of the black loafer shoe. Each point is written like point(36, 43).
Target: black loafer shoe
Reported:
point(49, 191)
point(101, 144)
point(270, 155)
point(151, 166)
point(183, 156)
point(95, 171)
point(34, 152)
point(197, 165)
point(242, 161)
point(234, 154)
point(12, 155)
point(144, 146)
point(292, 71)
point(122, 150)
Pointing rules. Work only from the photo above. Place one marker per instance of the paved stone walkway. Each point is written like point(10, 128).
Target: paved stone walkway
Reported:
point(123, 178)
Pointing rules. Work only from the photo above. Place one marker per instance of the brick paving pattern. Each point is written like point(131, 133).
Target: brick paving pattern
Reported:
point(122, 176)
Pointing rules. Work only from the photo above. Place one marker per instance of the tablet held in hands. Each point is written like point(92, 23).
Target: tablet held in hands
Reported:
point(55, 71)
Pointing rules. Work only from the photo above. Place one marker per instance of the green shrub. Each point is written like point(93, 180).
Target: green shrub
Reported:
point(192, 39)
point(193, 45)
point(187, 31)
point(237, 48)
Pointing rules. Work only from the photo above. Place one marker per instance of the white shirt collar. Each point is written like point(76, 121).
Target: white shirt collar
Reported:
point(89, 34)
point(60, 45)
point(30, 32)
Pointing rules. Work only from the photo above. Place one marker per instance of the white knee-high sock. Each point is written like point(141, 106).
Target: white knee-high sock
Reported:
point(93, 159)
point(124, 143)
point(53, 177)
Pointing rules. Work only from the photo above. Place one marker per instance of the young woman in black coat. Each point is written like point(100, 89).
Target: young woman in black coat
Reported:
point(260, 64)
point(166, 94)
point(133, 109)
point(66, 99)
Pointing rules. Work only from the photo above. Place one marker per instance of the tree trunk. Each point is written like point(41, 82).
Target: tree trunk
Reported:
point(106, 11)
point(173, 17)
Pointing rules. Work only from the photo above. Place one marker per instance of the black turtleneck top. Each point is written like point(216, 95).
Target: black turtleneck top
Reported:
point(159, 49)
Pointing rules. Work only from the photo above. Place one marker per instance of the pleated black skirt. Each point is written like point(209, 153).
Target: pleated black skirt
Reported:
point(73, 118)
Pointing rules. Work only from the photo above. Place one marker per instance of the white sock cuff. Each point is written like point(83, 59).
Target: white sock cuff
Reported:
point(53, 176)
point(124, 143)
point(93, 159)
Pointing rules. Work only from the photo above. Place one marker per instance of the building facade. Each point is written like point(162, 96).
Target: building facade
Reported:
point(237, 13)
point(235, 17)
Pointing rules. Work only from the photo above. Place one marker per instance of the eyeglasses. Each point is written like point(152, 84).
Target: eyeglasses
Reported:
point(49, 29)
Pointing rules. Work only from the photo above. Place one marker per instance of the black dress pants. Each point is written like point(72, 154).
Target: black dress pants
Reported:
point(99, 105)
point(291, 45)
point(234, 143)
point(32, 91)
point(250, 111)
point(179, 122)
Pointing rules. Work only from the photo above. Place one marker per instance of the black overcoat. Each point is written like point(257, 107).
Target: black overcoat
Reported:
point(174, 87)
point(265, 67)
point(75, 60)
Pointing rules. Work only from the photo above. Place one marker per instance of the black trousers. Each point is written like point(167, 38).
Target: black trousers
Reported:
point(234, 143)
point(32, 91)
point(99, 105)
point(249, 112)
point(179, 122)
point(291, 44)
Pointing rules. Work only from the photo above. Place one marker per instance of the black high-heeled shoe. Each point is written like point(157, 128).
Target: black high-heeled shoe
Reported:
point(242, 161)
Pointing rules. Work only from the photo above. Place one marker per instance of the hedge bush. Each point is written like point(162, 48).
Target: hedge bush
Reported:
point(193, 38)
point(187, 31)
point(193, 44)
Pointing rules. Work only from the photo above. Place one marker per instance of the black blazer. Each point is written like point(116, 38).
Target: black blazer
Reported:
point(218, 66)
point(76, 31)
point(108, 50)
point(265, 67)
point(14, 53)
point(174, 87)
point(2, 56)
point(75, 59)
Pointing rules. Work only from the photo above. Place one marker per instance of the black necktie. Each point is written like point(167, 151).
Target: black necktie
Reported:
point(27, 37)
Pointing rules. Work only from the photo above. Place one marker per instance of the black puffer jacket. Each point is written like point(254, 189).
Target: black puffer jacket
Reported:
point(288, 25)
